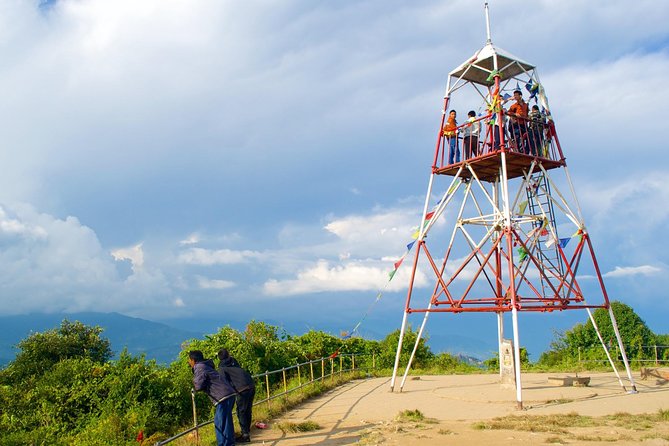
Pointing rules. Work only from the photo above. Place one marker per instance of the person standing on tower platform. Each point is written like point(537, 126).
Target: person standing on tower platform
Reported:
point(518, 128)
point(243, 383)
point(536, 131)
point(450, 131)
point(495, 131)
point(470, 140)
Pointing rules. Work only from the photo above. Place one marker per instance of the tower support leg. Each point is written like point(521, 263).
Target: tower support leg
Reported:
point(399, 350)
point(622, 349)
point(415, 346)
point(500, 336)
point(516, 354)
point(606, 350)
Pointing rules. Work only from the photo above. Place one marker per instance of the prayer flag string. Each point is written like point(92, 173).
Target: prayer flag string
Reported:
point(391, 274)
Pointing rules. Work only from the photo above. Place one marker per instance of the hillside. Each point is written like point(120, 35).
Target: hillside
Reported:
point(158, 341)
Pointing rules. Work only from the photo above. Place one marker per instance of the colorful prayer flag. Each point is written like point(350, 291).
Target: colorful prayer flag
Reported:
point(522, 253)
point(521, 207)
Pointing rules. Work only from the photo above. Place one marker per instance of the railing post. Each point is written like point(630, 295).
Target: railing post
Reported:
point(655, 347)
point(285, 385)
point(269, 404)
point(341, 364)
point(197, 433)
point(331, 369)
point(311, 368)
point(299, 375)
point(353, 362)
point(374, 361)
point(322, 368)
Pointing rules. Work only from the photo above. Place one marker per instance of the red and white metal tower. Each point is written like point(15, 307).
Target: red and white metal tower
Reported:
point(518, 242)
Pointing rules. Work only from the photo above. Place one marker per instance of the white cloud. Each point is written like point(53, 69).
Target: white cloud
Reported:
point(350, 276)
point(59, 269)
point(214, 284)
point(13, 227)
point(381, 232)
point(192, 239)
point(605, 107)
point(134, 253)
point(625, 271)
point(202, 256)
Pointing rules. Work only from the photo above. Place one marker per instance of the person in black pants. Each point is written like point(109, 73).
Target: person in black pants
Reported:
point(219, 390)
point(243, 383)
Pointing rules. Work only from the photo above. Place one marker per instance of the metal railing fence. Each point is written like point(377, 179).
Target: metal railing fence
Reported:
point(313, 371)
point(637, 354)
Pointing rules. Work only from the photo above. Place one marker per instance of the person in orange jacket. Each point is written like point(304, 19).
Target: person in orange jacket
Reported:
point(450, 131)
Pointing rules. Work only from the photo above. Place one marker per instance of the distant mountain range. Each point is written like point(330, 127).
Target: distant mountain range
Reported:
point(156, 340)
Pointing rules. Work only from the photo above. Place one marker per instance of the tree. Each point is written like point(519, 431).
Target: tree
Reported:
point(582, 341)
point(388, 349)
point(41, 351)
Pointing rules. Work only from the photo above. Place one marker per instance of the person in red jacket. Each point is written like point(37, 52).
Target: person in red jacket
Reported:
point(220, 392)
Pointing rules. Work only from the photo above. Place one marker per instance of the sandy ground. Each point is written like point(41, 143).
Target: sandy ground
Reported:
point(365, 412)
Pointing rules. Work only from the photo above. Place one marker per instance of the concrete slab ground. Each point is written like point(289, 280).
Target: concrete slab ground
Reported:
point(365, 411)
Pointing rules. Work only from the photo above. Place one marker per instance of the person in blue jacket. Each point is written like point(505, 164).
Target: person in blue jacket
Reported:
point(221, 393)
point(243, 383)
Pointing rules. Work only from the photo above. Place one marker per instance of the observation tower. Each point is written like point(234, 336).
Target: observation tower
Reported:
point(499, 179)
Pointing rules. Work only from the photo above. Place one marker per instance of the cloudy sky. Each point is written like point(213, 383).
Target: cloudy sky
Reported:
point(208, 161)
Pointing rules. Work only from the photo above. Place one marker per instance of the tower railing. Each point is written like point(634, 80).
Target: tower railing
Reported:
point(531, 137)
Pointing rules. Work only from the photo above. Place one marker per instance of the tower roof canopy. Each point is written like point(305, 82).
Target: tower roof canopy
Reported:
point(479, 67)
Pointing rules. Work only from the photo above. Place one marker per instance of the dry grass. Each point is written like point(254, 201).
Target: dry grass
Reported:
point(560, 401)
point(305, 426)
point(557, 424)
point(574, 427)
point(371, 437)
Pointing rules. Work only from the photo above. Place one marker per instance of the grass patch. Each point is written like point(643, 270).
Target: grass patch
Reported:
point(305, 426)
point(653, 436)
point(663, 415)
point(554, 440)
point(557, 424)
point(411, 416)
point(596, 438)
point(560, 401)
point(445, 432)
point(371, 437)
point(636, 422)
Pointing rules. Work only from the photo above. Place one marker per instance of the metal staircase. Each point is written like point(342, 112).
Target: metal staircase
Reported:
point(539, 204)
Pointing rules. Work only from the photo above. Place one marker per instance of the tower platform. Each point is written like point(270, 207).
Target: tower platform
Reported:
point(486, 166)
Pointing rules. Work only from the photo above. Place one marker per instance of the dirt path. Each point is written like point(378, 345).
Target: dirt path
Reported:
point(365, 412)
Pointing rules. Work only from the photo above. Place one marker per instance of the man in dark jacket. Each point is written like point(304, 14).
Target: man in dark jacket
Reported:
point(221, 393)
point(243, 383)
